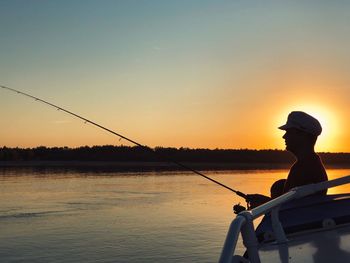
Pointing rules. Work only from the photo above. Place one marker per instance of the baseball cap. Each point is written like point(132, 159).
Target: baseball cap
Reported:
point(302, 121)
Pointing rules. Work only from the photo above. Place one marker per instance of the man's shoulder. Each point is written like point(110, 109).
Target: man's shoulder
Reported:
point(309, 161)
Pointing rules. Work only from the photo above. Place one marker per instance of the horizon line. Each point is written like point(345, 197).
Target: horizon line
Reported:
point(171, 147)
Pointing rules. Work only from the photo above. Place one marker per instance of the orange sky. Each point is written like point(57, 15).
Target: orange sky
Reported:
point(195, 74)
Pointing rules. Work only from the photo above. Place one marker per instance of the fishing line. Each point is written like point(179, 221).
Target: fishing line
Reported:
point(125, 138)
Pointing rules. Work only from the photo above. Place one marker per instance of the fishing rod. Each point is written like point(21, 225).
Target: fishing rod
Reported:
point(125, 138)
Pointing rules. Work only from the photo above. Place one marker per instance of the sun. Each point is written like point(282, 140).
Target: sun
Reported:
point(329, 122)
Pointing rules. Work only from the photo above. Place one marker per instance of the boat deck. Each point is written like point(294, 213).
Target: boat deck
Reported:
point(299, 226)
point(331, 245)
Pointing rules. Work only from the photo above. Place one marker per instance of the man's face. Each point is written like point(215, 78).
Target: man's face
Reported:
point(293, 139)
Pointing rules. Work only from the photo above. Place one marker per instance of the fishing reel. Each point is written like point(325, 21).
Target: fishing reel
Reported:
point(253, 200)
point(238, 208)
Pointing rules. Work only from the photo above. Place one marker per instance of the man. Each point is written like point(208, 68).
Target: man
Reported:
point(301, 132)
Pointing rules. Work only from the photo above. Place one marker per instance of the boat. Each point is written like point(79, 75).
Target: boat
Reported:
point(298, 226)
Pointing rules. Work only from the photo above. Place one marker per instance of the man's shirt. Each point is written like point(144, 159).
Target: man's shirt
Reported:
point(308, 170)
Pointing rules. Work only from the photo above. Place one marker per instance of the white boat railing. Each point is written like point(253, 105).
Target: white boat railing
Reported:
point(243, 223)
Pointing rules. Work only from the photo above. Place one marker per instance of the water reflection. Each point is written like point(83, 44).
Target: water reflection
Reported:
point(167, 216)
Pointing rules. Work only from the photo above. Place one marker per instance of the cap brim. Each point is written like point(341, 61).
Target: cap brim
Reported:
point(283, 127)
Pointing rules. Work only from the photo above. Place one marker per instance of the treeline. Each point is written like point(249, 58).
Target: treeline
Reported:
point(138, 154)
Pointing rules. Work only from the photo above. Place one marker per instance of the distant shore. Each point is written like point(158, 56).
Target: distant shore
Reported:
point(145, 166)
point(120, 166)
point(135, 158)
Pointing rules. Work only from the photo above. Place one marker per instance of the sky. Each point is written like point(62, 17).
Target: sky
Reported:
point(185, 73)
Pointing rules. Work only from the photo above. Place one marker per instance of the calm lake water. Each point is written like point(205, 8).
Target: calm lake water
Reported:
point(122, 217)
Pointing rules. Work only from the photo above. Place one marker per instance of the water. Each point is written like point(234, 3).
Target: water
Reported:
point(122, 217)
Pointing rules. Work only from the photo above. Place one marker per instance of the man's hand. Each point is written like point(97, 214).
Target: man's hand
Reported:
point(255, 200)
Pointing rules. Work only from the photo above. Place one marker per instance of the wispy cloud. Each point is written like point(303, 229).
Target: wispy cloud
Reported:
point(158, 48)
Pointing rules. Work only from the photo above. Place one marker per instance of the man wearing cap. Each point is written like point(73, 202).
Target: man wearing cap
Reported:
point(301, 132)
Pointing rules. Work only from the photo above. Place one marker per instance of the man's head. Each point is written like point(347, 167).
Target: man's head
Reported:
point(301, 131)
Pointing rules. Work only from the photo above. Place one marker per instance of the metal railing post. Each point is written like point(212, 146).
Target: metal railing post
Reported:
point(231, 239)
point(249, 238)
point(277, 228)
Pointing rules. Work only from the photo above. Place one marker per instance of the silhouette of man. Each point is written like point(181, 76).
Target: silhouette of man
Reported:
point(301, 132)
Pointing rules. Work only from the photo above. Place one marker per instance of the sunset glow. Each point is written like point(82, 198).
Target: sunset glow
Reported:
point(195, 74)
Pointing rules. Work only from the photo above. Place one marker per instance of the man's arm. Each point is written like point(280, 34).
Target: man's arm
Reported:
point(255, 200)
